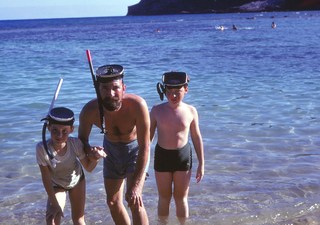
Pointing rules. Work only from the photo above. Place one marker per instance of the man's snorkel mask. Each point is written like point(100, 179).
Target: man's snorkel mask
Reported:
point(171, 80)
point(108, 73)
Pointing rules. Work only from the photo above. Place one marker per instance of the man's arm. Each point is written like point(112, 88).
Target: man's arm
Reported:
point(86, 120)
point(134, 191)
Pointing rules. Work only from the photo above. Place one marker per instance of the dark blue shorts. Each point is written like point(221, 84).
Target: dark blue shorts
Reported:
point(173, 160)
point(121, 159)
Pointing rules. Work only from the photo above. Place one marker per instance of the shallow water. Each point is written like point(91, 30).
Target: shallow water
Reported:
point(256, 90)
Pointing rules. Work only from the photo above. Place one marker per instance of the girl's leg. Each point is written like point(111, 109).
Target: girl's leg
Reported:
point(77, 196)
point(181, 180)
point(164, 184)
point(61, 198)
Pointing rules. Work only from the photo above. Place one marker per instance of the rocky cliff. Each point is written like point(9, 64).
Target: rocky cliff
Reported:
point(162, 7)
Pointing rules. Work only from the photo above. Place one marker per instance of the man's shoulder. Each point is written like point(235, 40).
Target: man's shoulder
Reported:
point(135, 99)
point(92, 105)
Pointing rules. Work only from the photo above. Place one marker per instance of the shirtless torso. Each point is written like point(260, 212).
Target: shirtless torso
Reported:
point(173, 124)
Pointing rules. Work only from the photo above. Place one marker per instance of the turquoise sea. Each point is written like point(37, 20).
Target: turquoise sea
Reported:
point(257, 91)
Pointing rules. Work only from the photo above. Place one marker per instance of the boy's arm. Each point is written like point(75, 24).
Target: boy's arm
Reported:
point(153, 123)
point(197, 143)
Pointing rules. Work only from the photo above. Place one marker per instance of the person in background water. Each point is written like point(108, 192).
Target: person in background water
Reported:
point(273, 25)
point(234, 27)
point(66, 174)
point(174, 120)
point(126, 142)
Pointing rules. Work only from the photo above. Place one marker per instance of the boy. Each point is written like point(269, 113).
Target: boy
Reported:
point(174, 120)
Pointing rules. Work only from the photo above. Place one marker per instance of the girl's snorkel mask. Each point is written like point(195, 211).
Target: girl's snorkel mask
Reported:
point(171, 80)
point(59, 115)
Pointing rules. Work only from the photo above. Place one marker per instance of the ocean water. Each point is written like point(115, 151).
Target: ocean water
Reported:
point(256, 90)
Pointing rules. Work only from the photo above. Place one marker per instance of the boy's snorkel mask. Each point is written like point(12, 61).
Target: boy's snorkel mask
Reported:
point(171, 80)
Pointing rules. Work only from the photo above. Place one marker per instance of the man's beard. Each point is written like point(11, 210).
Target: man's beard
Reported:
point(111, 104)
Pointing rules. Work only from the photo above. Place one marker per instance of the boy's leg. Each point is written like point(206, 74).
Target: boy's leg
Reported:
point(164, 184)
point(77, 196)
point(181, 181)
point(114, 190)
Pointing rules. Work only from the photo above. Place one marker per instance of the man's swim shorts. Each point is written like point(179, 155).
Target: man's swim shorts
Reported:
point(121, 159)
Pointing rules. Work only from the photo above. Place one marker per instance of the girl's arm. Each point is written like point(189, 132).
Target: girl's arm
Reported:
point(90, 161)
point(46, 180)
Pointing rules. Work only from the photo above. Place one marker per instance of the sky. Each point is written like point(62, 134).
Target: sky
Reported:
point(41, 9)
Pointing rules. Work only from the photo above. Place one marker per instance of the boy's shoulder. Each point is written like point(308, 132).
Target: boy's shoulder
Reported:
point(160, 106)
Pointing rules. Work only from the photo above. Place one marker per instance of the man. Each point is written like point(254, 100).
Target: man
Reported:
point(126, 142)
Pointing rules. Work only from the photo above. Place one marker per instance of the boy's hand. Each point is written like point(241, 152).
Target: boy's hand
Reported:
point(200, 173)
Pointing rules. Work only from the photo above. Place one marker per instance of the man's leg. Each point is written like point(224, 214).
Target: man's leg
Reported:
point(114, 190)
point(139, 214)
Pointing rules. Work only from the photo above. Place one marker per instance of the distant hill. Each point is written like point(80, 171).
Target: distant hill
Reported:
point(163, 7)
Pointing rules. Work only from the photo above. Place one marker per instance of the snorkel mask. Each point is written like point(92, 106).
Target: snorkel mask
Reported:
point(108, 73)
point(61, 116)
point(58, 115)
point(172, 80)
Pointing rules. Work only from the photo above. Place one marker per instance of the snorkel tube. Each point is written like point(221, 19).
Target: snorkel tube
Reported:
point(161, 90)
point(45, 124)
point(96, 87)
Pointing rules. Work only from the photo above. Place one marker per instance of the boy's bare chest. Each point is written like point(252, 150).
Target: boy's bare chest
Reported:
point(177, 120)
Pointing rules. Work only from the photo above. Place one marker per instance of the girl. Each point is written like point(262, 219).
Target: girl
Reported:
point(63, 174)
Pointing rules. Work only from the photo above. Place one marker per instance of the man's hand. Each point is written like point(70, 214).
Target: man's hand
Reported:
point(134, 198)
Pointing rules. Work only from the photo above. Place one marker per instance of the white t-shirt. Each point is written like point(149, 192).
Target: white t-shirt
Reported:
point(68, 169)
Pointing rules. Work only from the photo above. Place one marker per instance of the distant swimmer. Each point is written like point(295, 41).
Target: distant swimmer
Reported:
point(273, 25)
point(234, 27)
point(221, 28)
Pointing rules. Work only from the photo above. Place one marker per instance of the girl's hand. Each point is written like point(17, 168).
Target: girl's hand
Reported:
point(53, 212)
point(98, 152)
